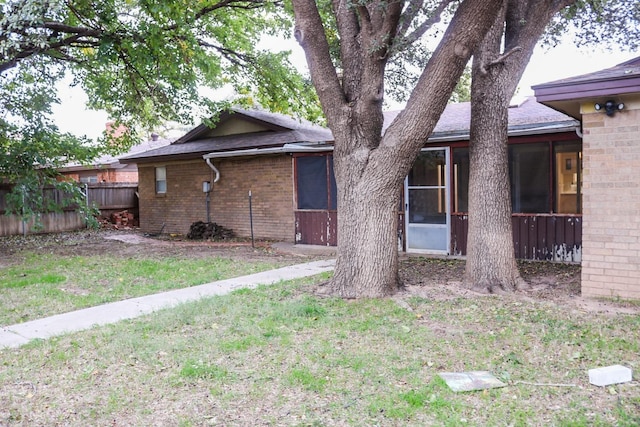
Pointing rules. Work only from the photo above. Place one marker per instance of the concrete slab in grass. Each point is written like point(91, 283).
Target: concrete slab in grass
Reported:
point(608, 375)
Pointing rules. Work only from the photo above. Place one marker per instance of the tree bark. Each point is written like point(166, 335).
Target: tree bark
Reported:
point(491, 265)
point(367, 262)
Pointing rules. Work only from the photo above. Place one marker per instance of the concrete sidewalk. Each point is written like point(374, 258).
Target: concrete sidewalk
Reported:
point(17, 335)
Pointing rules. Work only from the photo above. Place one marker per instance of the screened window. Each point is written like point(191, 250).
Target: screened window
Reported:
point(89, 179)
point(568, 166)
point(460, 179)
point(161, 180)
point(530, 178)
point(315, 183)
point(542, 180)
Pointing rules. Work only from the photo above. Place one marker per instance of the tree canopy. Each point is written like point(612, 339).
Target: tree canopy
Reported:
point(143, 62)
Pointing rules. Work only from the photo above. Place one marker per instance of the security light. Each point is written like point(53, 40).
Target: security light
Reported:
point(610, 107)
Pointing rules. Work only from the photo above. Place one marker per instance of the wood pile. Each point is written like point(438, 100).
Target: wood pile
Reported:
point(122, 219)
point(209, 231)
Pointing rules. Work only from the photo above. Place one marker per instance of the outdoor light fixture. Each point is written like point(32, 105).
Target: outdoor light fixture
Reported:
point(610, 107)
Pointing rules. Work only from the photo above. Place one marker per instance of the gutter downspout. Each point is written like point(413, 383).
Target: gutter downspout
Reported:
point(214, 169)
point(216, 179)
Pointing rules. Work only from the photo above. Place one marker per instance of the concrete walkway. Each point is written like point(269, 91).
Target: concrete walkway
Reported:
point(17, 335)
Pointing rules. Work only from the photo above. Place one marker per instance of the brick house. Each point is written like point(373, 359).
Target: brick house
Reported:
point(287, 167)
point(608, 104)
point(247, 151)
point(108, 168)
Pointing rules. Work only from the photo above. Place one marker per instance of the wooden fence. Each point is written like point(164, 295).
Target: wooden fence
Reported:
point(109, 198)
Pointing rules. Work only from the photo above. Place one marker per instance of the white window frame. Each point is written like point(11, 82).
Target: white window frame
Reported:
point(161, 180)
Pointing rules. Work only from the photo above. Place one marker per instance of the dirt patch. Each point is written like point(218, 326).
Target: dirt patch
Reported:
point(556, 283)
point(134, 244)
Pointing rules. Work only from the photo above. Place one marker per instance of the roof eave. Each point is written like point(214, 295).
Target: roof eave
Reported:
point(564, 91)
point(303, 147)
point(559, 127)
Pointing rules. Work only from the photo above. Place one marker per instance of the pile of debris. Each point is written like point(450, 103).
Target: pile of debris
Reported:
point(209, 231)
point(122, 219)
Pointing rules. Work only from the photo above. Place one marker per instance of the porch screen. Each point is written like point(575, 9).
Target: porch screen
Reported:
point(532, 175)
point(315, 183)
point(530, 178)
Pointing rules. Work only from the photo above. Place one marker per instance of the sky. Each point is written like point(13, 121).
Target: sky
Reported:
point(546, 65)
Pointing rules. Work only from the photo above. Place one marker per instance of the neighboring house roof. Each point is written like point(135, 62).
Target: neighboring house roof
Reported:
point(237, 130)
point(618, 80)
point(282, 134)
point(113, 162)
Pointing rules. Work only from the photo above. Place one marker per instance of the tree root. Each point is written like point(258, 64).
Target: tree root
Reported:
point(486, 287)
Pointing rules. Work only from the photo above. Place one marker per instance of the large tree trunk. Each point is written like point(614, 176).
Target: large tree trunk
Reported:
point(367, 262)
point(491, 264)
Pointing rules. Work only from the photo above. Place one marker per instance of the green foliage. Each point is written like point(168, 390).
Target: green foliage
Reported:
point(604, 23)
point(303, 377)
point(144, 62)
point(44, 284)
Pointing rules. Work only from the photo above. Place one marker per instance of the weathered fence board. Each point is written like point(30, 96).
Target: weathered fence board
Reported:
point(549, 237)
point(109, 197)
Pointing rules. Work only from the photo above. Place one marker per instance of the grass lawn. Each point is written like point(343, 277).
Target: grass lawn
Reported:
point(46, 284)
point(281, 356)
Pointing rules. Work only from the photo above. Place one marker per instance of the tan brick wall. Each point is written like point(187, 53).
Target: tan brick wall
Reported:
point(611, 205)
point(268, 177)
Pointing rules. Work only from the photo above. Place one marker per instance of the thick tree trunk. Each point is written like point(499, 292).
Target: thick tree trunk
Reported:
point(491, 264)
point(367, 262)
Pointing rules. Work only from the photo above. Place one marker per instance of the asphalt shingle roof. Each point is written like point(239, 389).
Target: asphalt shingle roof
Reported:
point(284, 130)
point(529, 115)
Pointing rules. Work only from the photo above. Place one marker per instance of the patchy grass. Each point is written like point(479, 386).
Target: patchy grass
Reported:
point(281, 356)
point(45, 284)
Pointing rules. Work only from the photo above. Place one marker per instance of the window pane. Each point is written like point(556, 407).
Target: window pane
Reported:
point(428, 169)
point(161, 186)
point(311, 182)
point(161, 174)
point(568, 177)
point(161, 180)
point(529, 172)
point(88, 179)
point(427, 206)
point(461, 179)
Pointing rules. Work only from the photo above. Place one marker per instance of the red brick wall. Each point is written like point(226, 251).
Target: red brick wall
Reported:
point(611, 230)
point(107, 175)
point(268, 177)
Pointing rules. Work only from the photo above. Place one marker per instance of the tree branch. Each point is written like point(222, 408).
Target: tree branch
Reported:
point(235, 57)
point(411, 12)
point(412, 126)
point(309, 33)
point(484, 68)
point(405, 40)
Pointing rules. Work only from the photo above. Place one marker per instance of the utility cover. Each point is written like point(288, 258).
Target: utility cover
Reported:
point(471, 381)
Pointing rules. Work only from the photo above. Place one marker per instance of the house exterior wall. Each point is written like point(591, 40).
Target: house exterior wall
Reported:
point(611, 206)
point(269, 178)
